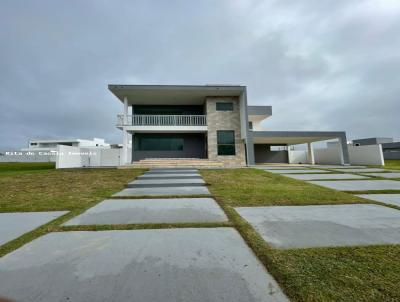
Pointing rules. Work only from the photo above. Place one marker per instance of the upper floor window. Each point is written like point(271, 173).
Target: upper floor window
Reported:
point(251, 125)
point(224, 106)
point(226, 142)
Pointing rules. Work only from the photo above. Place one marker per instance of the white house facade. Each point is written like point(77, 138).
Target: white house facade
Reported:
point(210, 122)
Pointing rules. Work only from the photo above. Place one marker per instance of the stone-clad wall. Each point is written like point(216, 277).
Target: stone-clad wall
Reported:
point(224, 120)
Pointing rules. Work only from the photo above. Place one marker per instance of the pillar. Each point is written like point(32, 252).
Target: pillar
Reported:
point(310, 154)
point(344, 150)
point(125, 140)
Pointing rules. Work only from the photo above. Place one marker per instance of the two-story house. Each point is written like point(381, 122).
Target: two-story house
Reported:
point(211, 122)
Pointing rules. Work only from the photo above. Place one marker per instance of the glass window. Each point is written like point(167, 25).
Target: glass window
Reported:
point(224, 106)
point(226, 142)
point(158, 143)
point(251, 125)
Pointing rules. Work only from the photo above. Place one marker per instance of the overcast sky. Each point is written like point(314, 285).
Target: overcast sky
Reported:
point(321, 64)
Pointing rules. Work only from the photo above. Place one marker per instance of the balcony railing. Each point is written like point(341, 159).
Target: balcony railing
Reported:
point(162, 120)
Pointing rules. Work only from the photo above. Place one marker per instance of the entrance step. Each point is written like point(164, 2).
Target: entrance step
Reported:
point(174, 163)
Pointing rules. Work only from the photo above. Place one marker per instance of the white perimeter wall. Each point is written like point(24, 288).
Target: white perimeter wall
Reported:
point(68, 157)
point(75, 157)
point(328, 156)
point(366, 155)
point(27, 156)
point(297, 156)
point(358, 155)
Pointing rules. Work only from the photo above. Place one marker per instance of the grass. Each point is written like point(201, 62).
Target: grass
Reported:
point(393, 164)
point(11, 168)
point(72, 190)
point(316, 274)
point(253, 187)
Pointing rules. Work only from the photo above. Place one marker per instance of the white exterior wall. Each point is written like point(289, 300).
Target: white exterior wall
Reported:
point(75, 157)
point(328, 156)
point(27, 156)
point(358, 155)
point(68, 157)
point(366, 155)
point(297, 156)
point(257, 126)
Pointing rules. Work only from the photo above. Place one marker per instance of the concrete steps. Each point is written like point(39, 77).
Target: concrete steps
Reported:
point(174, 163)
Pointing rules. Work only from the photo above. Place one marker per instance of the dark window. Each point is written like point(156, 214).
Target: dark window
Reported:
point(251, 125)
point(226, 142)
point(33, 144)
point(168, 109)
point(224, 106)
point(158, 143)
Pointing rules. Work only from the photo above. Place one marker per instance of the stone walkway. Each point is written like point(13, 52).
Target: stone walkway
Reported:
point(133, 211)
point(324, 225)
point(14, 225)
point(331, 225)
point(162, 182)
point(175, 264)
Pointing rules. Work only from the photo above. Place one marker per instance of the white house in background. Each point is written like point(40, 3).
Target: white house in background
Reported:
point(51, 144)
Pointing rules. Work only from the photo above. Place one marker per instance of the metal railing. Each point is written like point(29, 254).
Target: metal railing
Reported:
point(162, 120)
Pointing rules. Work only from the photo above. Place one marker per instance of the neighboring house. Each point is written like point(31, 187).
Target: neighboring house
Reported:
point(51, 144)
point(211, 122)
point(372, 141)
point(391, 149)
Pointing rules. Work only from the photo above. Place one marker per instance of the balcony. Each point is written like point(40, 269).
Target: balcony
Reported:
point(144, 123)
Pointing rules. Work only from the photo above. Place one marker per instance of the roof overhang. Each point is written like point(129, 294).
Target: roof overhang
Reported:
point(172, 94)
point(259, 113)
point(293, 137)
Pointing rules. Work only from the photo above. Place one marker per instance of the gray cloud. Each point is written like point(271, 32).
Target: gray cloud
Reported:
point(322, 65)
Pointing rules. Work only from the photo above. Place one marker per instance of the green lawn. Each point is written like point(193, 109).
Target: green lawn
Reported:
point(253, 187)
point(8, 168)
point(315, 274)
point(40, 187)
point(392, 164)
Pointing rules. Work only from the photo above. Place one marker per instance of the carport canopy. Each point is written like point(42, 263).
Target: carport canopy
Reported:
point(294, 137)
point(281, 138)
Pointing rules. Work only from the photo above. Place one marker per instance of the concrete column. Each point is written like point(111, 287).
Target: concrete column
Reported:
point(125, 110)
point(310, 154)
point(344, 154)
point(250, 158)
point(125, 140)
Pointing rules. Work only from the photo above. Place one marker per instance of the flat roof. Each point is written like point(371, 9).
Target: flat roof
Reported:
point(172, 94)
point(259, 113)
point(74, 140)
point(293, 137)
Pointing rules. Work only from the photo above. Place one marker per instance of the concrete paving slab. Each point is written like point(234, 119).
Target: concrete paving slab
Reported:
point(324, 226)
point(171, 210)
point(167, 182)
point(171, 171)
point(168, 265)
point(361, 170)
point(281, 167)
point(384, 175)
point(13, 225)
point(199, 190)
point(297, 171)
point(324, 176)
point(393, 199)
point(170, 176)
point(359, 185)
point(337, 166)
